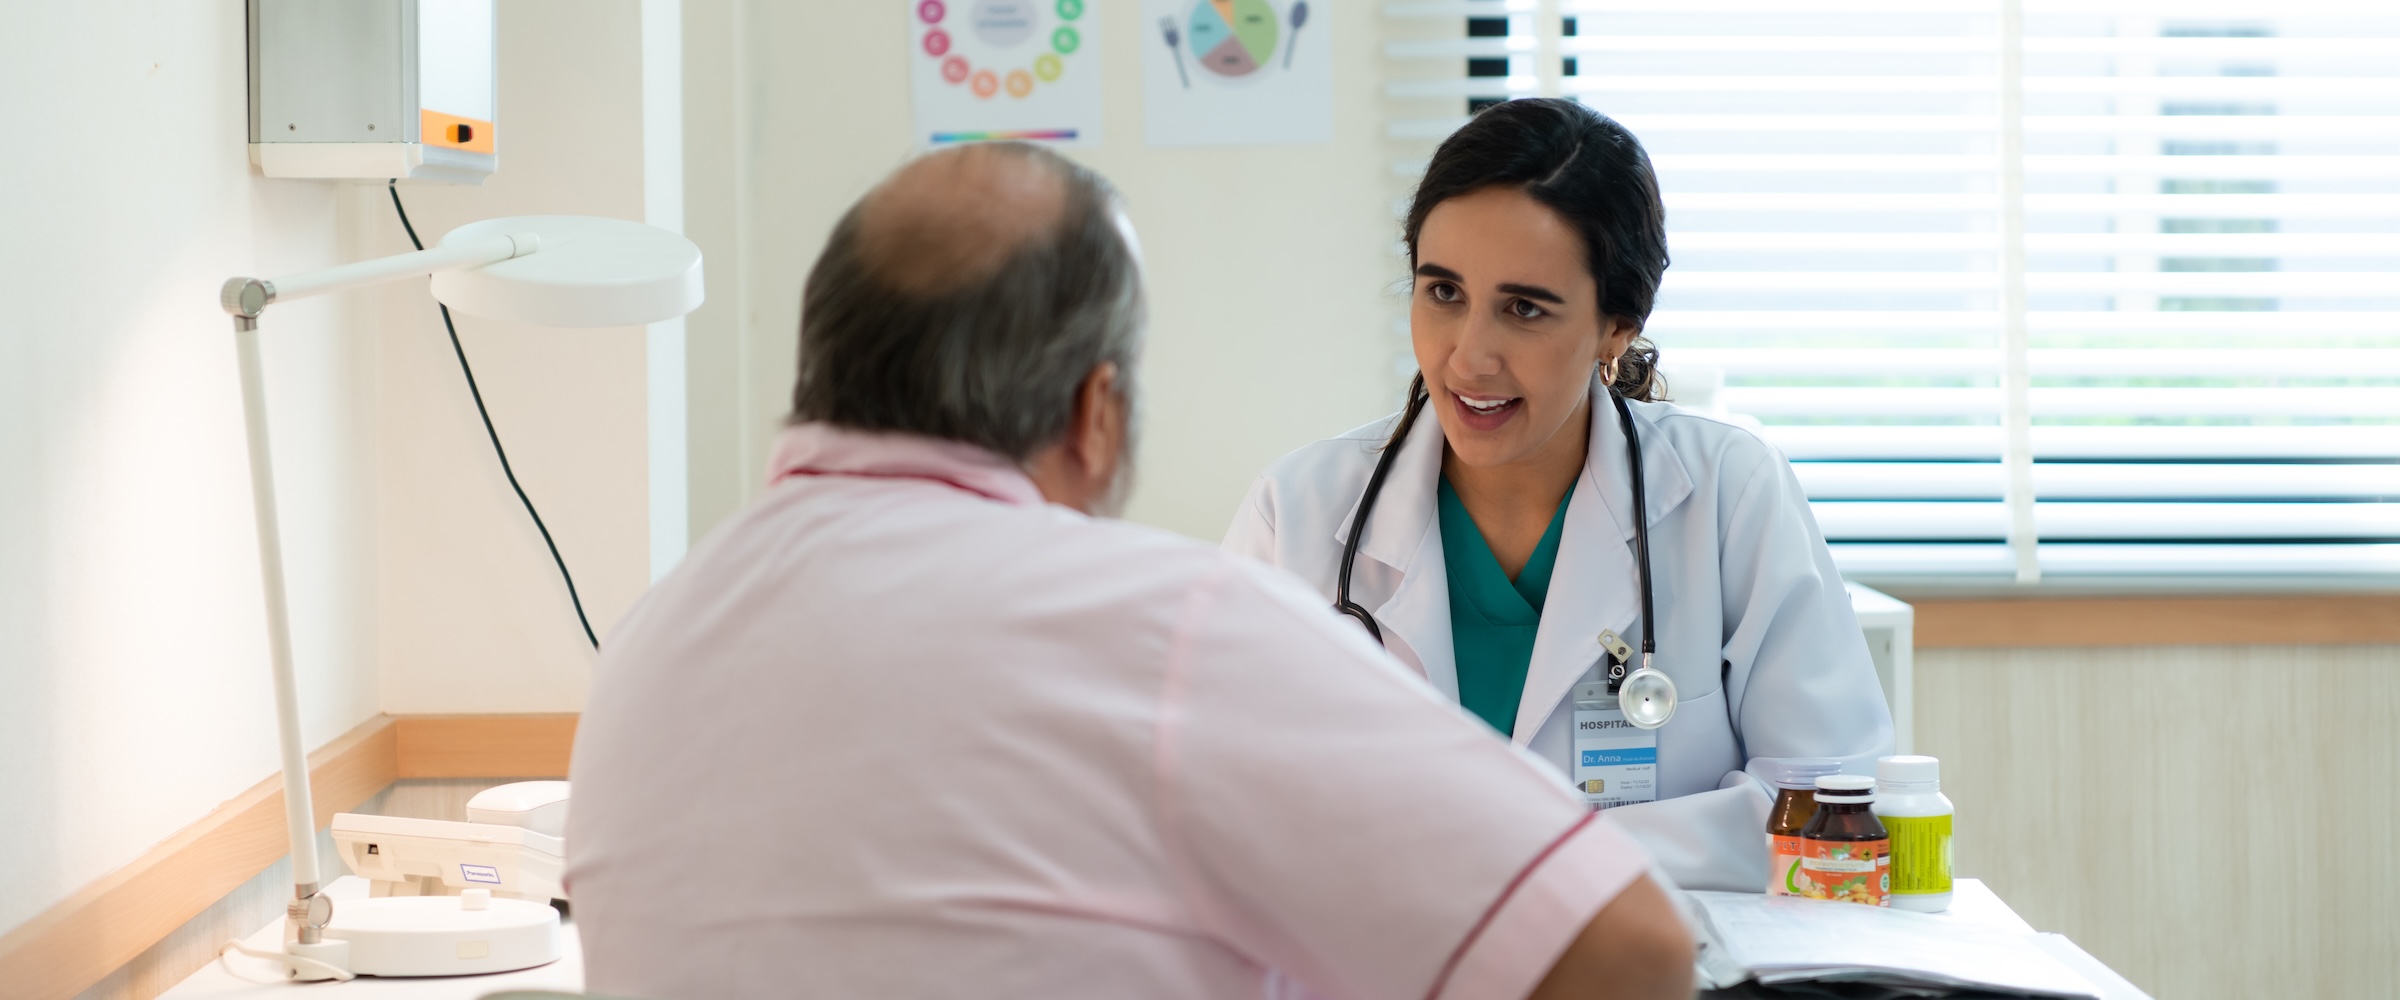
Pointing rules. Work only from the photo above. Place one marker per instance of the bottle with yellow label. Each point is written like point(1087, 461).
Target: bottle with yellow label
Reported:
point(1914, 811)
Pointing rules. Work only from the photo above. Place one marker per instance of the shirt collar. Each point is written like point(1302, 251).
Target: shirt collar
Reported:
point(822, 449)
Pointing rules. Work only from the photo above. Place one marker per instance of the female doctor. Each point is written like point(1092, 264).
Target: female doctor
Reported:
point(1500, 553)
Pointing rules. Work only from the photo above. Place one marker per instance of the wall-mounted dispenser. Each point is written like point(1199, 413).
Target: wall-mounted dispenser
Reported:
point(374, 89)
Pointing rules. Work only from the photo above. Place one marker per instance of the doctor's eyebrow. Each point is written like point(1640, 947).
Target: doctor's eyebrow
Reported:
point(1534, 292)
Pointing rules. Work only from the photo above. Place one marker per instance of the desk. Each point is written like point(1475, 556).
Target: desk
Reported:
point(1971, 902)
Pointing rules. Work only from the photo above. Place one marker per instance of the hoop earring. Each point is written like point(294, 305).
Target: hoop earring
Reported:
point(1608, 374)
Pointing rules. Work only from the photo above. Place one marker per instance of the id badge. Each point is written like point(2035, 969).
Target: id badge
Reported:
point(1616, 762)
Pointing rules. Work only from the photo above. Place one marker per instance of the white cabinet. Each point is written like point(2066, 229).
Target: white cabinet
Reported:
point(1890, 625)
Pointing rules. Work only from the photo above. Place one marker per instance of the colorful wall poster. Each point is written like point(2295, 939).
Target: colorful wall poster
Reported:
point(1226, 72)
point(1005, 69)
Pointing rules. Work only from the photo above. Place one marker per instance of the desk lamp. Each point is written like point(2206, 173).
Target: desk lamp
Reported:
point(547, 270)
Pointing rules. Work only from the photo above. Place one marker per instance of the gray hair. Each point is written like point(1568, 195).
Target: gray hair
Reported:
point(992, 359)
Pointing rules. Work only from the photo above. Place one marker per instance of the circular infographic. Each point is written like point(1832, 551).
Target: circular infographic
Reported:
point(1234, 37)
point(1013, 54)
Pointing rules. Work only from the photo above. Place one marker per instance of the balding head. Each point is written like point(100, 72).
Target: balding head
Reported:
point(955, 217)
point(967, 297)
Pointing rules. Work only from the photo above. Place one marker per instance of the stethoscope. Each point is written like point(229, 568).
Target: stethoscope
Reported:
point(1647, 696)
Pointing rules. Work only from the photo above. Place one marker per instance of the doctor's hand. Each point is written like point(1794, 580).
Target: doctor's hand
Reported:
point(1635, 947)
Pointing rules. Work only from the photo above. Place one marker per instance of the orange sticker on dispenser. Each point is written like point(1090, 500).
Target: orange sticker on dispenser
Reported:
point(437, 129)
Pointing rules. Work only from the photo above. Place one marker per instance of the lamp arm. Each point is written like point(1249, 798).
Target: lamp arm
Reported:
point(251, 296)
point(310, 910)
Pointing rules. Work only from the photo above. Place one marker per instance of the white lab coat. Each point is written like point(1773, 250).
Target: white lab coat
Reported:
point(1755, 626)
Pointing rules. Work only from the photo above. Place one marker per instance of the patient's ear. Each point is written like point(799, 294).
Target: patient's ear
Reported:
point(1100, 410)
point(1079, 470)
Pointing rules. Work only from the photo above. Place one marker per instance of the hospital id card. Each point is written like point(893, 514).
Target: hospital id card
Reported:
point(1616, 762)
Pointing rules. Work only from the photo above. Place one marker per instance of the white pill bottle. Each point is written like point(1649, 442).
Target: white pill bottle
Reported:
point(1909, 801)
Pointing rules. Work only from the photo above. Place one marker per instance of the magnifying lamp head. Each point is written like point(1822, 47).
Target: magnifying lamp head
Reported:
point(588, 272)
point(1647, 696)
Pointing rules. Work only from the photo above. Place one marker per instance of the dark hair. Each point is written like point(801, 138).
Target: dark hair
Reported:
point(1594, 174)
point(995, 361)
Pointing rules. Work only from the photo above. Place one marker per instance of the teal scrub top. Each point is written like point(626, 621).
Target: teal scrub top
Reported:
point(1492, 618)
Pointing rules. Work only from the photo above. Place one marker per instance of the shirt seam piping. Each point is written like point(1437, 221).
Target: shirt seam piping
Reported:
point(1450, 966)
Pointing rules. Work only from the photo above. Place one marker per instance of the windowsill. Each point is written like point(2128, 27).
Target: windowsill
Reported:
point(1985, 586)
point(2048, 617)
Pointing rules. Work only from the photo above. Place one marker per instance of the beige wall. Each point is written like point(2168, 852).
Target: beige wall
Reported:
point(1270, 267)
point(2209, 821)
point(475, 618)
point(134, 689)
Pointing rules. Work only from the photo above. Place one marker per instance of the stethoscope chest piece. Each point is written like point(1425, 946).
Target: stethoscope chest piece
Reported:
point(1647, 697)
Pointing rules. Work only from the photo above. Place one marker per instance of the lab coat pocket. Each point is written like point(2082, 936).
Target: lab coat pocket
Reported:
point(1697, 746)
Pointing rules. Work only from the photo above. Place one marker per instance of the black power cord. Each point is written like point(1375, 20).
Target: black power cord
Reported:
point(469, 372)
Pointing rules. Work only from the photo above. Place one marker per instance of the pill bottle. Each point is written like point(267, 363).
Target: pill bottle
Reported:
point(1845, 854)
point(1909, 801)
point(1795, 781)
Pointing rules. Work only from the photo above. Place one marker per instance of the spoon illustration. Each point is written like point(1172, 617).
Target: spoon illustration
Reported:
point(1299, 17)
point(1166, 26)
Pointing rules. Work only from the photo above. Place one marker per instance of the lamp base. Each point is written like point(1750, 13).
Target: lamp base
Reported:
point(321, 960)
point(444, 935)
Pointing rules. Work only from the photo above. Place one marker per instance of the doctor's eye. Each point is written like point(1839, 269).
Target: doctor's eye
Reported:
point(1525, 309)
point(1442, 291)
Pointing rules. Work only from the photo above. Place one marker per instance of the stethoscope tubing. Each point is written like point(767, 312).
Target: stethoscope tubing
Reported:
point(1366, 506)
point(1383, 470)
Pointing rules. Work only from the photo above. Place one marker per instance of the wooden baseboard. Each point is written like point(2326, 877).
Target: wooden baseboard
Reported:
point(2327, 620)
point(76, 943)
point(486, 746)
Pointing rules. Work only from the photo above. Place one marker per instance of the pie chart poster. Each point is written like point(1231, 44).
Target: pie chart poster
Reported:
point(1236, 72)
point(1005, 69)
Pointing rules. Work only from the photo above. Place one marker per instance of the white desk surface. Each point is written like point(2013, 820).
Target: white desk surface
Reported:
point(240, 976)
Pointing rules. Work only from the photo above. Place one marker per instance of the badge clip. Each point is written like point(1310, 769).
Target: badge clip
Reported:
point(1619, 654)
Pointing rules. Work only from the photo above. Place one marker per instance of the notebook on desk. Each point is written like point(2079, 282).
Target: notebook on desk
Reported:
point(1775, 941)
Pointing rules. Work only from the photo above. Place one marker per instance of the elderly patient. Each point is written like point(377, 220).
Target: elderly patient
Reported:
point(925, 722)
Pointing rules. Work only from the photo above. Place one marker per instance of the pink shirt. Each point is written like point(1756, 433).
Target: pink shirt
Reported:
point(902, 729)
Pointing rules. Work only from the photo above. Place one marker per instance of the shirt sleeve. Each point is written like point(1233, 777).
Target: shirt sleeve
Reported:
point(1327, 814)
point(1802, 682)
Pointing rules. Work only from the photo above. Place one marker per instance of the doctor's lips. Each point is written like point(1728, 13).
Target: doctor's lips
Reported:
point(1486, 413)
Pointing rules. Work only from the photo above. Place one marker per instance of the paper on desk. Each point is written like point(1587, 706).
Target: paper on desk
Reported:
point(1783, 940)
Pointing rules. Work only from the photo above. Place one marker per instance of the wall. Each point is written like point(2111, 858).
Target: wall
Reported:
point(2210, 821)
point(1270, 267)
point(134, 692)
point(134, 689)
point(475, 617)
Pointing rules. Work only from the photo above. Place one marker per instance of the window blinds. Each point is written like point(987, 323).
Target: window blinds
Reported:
point(2064, 290)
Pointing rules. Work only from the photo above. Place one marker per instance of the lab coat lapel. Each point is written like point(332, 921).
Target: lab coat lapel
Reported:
point(1401, 534)
point(1596, 586)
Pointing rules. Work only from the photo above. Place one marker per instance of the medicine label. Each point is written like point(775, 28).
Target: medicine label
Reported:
point(1847, 871)
point(1616, 762)
point(1920, 854)
point(1783, 865)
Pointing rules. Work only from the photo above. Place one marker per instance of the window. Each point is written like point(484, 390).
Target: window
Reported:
point(2044, 290)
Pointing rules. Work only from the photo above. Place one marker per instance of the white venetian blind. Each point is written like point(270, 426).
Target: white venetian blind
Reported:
point(2041, 289)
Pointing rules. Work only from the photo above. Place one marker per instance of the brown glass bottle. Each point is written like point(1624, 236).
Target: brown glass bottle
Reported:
point(1845, 853)
point(1790, 814)
point(1795, 780)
